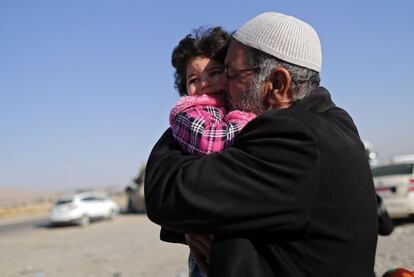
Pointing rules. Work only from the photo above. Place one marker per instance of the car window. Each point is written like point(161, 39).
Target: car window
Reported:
point(395, 169)
point(88, 199)
point(63, 201)
point(92, 199)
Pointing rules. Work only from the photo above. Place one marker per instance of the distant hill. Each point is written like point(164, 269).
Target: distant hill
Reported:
point(10, 196)
point(15, 196)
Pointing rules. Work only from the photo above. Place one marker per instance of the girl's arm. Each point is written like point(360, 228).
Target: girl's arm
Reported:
point(201, 126)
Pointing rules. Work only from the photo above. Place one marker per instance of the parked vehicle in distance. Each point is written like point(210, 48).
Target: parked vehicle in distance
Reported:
point(135, 193)
point(394, 182)
point(81, 208)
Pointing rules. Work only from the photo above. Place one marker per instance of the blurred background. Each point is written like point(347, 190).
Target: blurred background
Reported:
point(86, 86)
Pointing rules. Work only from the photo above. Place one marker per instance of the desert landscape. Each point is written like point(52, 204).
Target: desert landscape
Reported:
point(127, 246)
point(19, 202)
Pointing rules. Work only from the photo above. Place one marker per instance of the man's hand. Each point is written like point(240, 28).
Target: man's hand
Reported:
point(200, 247)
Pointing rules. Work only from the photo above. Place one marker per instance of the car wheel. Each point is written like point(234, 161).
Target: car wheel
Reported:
point(112, 214)
point(84, 221)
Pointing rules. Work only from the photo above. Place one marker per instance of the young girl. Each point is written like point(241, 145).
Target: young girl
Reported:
point(200, 121)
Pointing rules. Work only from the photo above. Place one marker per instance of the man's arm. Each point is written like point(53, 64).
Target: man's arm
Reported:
point(171, 236)
point(265, 182)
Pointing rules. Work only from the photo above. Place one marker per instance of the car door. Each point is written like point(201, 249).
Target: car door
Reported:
point(92, 206)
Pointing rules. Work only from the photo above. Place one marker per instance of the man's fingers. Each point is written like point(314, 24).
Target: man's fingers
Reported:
point(200, 247)
point(202, 243)
point(200, 261)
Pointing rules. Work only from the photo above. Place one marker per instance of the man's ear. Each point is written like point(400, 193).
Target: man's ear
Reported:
point(269, 95)
point(277, 89)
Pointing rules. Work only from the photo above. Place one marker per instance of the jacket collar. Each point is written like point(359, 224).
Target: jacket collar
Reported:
point(318, 101)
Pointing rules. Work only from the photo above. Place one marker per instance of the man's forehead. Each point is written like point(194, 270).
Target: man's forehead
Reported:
point(236, 54)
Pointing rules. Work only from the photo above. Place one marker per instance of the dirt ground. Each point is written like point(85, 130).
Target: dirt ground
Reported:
point(128, 246)
point(397, 249)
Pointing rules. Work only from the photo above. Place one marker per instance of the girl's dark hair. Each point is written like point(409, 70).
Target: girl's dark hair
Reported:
point(211, 43)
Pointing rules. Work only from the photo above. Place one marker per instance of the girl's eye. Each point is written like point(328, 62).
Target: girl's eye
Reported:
point(192, 81)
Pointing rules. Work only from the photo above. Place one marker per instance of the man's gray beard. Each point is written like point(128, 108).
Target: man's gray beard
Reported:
point(250, 101)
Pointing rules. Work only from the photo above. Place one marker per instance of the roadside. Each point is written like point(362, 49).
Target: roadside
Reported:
point(23, 218)
point(25, 209)
point(396, 250)
point(37, 209)
point(127, 246)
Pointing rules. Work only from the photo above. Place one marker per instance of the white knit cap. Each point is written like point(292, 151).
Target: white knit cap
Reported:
point(284, 37)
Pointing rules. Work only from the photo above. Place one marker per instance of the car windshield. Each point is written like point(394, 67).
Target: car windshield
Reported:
point(63, 201)
point(92, 199)
point(395, 169)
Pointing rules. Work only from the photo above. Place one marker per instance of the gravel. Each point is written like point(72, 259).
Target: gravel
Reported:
point(397, 249)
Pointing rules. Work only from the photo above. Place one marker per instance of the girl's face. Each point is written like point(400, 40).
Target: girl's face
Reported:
point(204, 76)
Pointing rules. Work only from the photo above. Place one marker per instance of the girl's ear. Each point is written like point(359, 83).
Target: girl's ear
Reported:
point(276, 89)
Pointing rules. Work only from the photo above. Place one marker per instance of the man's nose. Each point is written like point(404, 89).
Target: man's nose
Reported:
point(222, 84)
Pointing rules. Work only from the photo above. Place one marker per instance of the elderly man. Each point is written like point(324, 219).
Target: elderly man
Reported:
point(294, 195)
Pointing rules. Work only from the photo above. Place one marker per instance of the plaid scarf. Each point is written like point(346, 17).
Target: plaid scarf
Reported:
point(202, 126)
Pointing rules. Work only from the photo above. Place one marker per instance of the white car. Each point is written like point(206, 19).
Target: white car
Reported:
point(394, 182)
point(81, 208)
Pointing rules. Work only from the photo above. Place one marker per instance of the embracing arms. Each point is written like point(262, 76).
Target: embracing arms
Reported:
point(264, 182)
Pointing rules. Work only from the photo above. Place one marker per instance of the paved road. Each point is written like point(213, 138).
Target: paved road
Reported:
point(23, 226)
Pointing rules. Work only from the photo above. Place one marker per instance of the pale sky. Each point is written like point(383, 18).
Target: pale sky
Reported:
point(86, 86)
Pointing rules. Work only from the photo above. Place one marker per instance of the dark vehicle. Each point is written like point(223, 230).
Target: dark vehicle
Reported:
point(135, 194)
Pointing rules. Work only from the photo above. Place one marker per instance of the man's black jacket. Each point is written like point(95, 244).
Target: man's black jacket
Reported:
point(292, 197)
